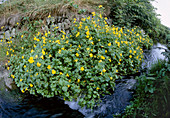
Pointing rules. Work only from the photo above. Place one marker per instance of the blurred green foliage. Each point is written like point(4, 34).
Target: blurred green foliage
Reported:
point(139, 13)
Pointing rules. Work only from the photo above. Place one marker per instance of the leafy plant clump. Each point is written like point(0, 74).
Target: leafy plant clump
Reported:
point(81, 65)
point(152, 98)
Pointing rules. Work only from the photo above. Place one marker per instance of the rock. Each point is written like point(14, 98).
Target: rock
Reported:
point(66, 26)
point(111, 104)
point(7, 34)
point(4, 74)
point(14, 19)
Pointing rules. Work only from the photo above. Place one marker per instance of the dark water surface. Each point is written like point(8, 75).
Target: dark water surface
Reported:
point(37, 107)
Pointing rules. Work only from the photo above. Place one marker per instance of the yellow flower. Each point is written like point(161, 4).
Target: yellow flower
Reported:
point(79, 46)
point(134, 51)
point(88, 48)
point(116, 71)
point(22, 47)
point(36, 56)
point(43, 52)
point(7, 53)
point(97, 88)
point(77, 54)
point(31, 85)
point(7, 68)
point(111, 78)
point(92, 43)
point(49, 16)
point(67, 75)
point(130, 51)
point(36, 73)
point(109, 44)
point(130, 56)
point(78, 33)
point(59, 51)
point(38, 64)
point(2, 27)
point(100, 61)
point(90, 38)
point(91, 55)
point(49, 67)
point(100, 73)
point(100, 15)
point(69, 80)
point(82, 68)
point(68, 86)
point(87, 33)
point(110, 60)
point(105, 51)
point(31, 60)
point(118, 44)
point(42, 57)
point(67, 41)
point(26, 89)
point(22, 57)
point(24, 66)
point(120, 60)
point(12, 76)
point(104, 70)
point(21, 36)
point(32, 50)
point(102, 57)
point(78, 80)
point(93, 13)
point(100, 6)
point(120, 54)
point(20, 80)
point(50, 55)
point(76, 60)
point(61, 73)
point(53, 72)
point(22, 91)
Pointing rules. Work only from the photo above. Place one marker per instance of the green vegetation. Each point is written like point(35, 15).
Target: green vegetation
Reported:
point(139, 13)
point(3, 49)
point(152, 97)
point(84, 63)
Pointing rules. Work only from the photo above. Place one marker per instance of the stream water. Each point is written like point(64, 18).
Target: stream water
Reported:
point(13, 104)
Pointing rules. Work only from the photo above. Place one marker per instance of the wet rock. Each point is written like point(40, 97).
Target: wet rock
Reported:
point(4, 76)
point(111, 104)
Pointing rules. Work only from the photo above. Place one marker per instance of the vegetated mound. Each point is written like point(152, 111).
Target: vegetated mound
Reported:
point(83, 63)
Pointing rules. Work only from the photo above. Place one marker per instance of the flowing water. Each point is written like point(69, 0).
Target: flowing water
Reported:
point(14, 104)
point(153, 55)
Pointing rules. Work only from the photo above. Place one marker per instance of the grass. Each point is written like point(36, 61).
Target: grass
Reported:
point(2, 53)
point(42, 8)
point(157, 66)
point(152, 96)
